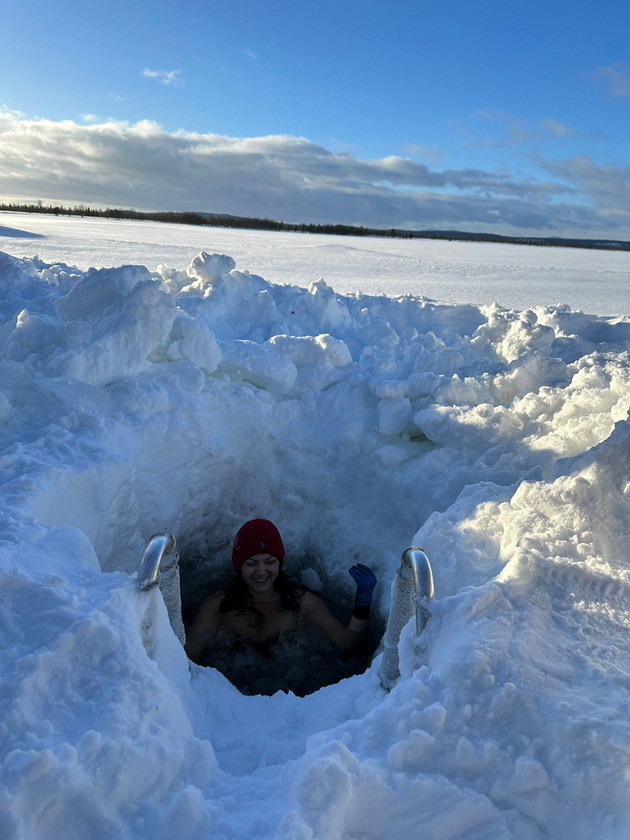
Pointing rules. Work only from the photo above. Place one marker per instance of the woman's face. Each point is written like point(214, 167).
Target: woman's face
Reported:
point(260, 572)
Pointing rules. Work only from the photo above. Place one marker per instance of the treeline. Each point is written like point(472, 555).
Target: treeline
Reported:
point(204, 219)
point(227, 221)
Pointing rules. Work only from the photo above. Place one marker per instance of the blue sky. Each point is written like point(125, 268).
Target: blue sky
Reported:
point(506, 116)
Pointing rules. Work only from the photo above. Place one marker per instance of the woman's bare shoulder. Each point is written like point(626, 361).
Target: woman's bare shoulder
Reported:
point(211, 603)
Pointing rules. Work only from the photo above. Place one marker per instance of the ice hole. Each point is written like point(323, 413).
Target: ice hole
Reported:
point(300, 662)
point(333, 506)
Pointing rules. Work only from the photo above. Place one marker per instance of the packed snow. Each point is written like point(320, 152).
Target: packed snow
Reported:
point(193, 394)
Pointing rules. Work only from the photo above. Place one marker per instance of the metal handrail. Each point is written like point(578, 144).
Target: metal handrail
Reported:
point(160, 566)
point(159, 546)
point(414, 559)
point(412, 588)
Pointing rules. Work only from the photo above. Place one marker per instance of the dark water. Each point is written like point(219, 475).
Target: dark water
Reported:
point(301, 662)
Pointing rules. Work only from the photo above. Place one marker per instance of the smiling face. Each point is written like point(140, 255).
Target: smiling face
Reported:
point(259, 573)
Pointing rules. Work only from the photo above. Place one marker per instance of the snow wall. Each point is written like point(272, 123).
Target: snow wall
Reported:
point(133, 401)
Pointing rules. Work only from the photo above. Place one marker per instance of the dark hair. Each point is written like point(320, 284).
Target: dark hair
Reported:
point(237, 599)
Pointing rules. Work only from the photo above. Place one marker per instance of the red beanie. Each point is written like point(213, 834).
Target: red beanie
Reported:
point(258, 536)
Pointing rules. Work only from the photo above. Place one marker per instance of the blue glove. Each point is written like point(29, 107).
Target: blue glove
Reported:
point(365, 580)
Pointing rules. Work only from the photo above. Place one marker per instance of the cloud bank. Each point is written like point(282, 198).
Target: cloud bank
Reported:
point(293, 179)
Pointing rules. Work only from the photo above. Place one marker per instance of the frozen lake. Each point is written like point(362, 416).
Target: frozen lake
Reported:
point(515, 276)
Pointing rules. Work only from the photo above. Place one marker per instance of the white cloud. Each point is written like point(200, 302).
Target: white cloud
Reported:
point(291, 178)
point(558, 129)
point(165, 77)
point(11, 112)
point(616, 78)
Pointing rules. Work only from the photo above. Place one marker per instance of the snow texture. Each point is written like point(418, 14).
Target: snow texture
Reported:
point(194, 397)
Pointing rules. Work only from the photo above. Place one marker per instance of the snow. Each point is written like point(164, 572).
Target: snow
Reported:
point(185, 392)
point(515, 276)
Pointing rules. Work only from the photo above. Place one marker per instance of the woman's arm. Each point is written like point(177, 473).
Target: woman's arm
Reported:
point(352, 637)
point(349, 638)
point(202, 632)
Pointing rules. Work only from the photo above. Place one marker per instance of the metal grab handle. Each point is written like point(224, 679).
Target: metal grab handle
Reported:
point(159, 546)
point(160, 566)
point(416, 561)
point(412, 588)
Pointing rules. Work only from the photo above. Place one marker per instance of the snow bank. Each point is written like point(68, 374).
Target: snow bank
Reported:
point(133, 401)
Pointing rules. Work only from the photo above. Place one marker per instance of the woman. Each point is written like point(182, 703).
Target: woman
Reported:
point(263, 604)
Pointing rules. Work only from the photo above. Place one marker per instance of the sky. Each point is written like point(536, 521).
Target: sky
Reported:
point(511, 118)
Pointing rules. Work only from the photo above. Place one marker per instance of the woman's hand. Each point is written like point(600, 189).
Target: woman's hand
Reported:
point(365, 580)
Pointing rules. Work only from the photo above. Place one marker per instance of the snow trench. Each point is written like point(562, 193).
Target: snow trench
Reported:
point(133, 401)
